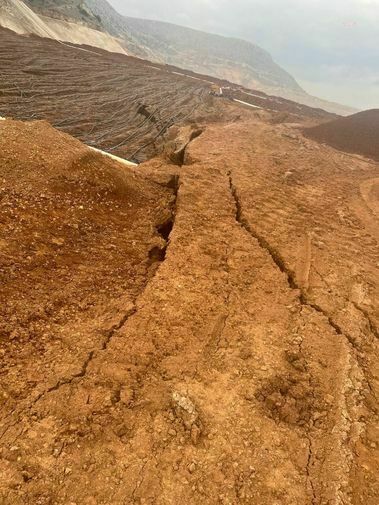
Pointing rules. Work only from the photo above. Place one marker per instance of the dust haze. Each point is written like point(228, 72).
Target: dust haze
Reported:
point(330, 47)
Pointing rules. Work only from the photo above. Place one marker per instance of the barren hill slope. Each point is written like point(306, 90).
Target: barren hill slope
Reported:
point(16, 16)
point(355, 134)
point(19, 17)
point(111, 101)
point(163, 42)
point(236, 60)
point(66, 9)
point(232, 59)
point(226, 58)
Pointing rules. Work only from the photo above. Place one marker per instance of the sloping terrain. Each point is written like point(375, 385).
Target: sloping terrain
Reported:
point(98, 15)
point(180, 46)
point(16, 16)
point(245, 366)
point(112, 102)
point(96, 23)
point(19, 17)
point(77, 240)
point(232, 59)
point(200, 329)
point(235, 60)
point(355, 134)
point(66, 9)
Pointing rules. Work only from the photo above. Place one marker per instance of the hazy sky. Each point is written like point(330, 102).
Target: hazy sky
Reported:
point(330, 46)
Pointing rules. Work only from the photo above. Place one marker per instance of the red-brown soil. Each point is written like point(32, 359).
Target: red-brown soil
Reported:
point(354, 134)
point(200, 329)
point(76, 232)
point(243, 370)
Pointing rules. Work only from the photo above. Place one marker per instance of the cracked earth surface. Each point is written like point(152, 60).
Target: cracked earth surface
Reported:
point(238, 366)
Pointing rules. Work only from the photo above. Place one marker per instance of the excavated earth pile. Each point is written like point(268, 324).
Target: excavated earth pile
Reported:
point(239, 365)
point(355, 134)
point(76, 235)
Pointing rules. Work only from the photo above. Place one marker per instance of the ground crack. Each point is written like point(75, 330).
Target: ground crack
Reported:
point(83, 370)
point(139, 481)
point(178, 156)
point(371, 326)
point(213, 345)
point(165, 231)
point(373, 329)
point(158, 252)
point(308, 469)
point(304, 301)
point(280, 263)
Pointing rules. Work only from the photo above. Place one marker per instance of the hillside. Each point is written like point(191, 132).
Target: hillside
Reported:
point(114, 102)
point(232, 59)
point(66, 9)
point(76, 28)
point(204, 344)
point(199, 329)
point(358, 133)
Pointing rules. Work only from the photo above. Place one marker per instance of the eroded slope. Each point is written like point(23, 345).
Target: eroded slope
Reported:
point(109, 101)
point(246, 369)
point(76, 235)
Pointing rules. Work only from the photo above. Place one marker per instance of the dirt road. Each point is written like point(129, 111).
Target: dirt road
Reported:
point(238, 366)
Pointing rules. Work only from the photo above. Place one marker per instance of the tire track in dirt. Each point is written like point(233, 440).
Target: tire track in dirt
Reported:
point(358, 365)
point(367, 190)
point(363, 332)
point(281, 264)
point(301, 294)
point(278, 261)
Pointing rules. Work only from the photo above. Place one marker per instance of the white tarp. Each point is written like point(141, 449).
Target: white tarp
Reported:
point(249, 104)
point(116, 158)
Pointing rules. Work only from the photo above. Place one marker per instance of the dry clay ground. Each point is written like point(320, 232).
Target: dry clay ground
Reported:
point(239, 366)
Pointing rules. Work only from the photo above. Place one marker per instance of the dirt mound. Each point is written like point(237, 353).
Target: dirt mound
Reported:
point(358, 133)
point(76, 232)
